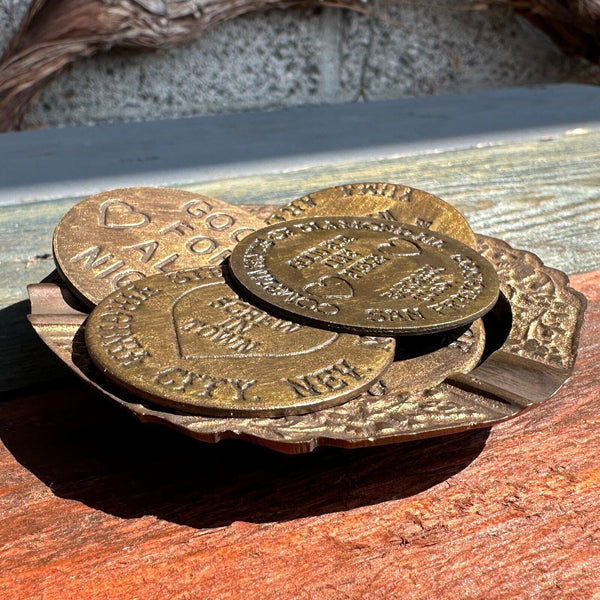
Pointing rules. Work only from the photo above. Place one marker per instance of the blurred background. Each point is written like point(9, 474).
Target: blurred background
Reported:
point(76, 62)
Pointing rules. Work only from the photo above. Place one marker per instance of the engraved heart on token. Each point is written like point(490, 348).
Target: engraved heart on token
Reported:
point(116, 214)
point(398, 247)
point(330, 287)
point(209, 325)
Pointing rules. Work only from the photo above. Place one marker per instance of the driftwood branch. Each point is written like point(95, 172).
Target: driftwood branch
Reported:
point(55, 33)
point(573, 25)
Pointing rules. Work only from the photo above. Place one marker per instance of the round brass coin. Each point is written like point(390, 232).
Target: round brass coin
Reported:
point(364, 275)
point(390, 201)
point(114, 238)
point(185, 340)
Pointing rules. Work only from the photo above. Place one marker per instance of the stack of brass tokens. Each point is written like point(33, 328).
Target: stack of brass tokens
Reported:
point(361, 314)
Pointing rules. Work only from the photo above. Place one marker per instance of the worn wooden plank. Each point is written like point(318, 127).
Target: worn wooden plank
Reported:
point(540, 195)
point(96, 506)
point(73, 161)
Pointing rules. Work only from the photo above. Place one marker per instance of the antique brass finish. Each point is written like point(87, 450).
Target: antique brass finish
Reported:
point(186, 341)
point(425, 361)
point(116, 237)
point(380, 200)
point(364, 275)
point(220, 367)
point(545, 317)
point(539, 353)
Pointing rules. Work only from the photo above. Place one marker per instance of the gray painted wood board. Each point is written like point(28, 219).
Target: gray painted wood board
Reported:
point(536, 187)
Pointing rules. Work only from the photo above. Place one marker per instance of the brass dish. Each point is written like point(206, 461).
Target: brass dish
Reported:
point(532, 339)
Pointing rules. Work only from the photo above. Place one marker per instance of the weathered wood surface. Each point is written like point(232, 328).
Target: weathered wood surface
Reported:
point(96, 506)
point(540, 195)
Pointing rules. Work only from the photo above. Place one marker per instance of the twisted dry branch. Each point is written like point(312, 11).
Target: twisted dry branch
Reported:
point(55, 33)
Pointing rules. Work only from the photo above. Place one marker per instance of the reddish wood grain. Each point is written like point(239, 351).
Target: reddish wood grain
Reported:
point(95, 505)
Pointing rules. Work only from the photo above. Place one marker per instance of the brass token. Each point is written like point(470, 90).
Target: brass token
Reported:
point(186, 341)
point(384, 201)
point(425, 363)
point(114, 238)
point(364, 275)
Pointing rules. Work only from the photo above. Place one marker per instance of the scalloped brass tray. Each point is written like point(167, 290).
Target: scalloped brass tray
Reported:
point(532, 338)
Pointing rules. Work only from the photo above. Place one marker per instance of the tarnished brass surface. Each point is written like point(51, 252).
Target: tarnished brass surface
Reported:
point(185, 340)
point(425, 361)
point(390, 201)
point(539, 353)
point(364, 275)
point(116, 237)
point(546, 348)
